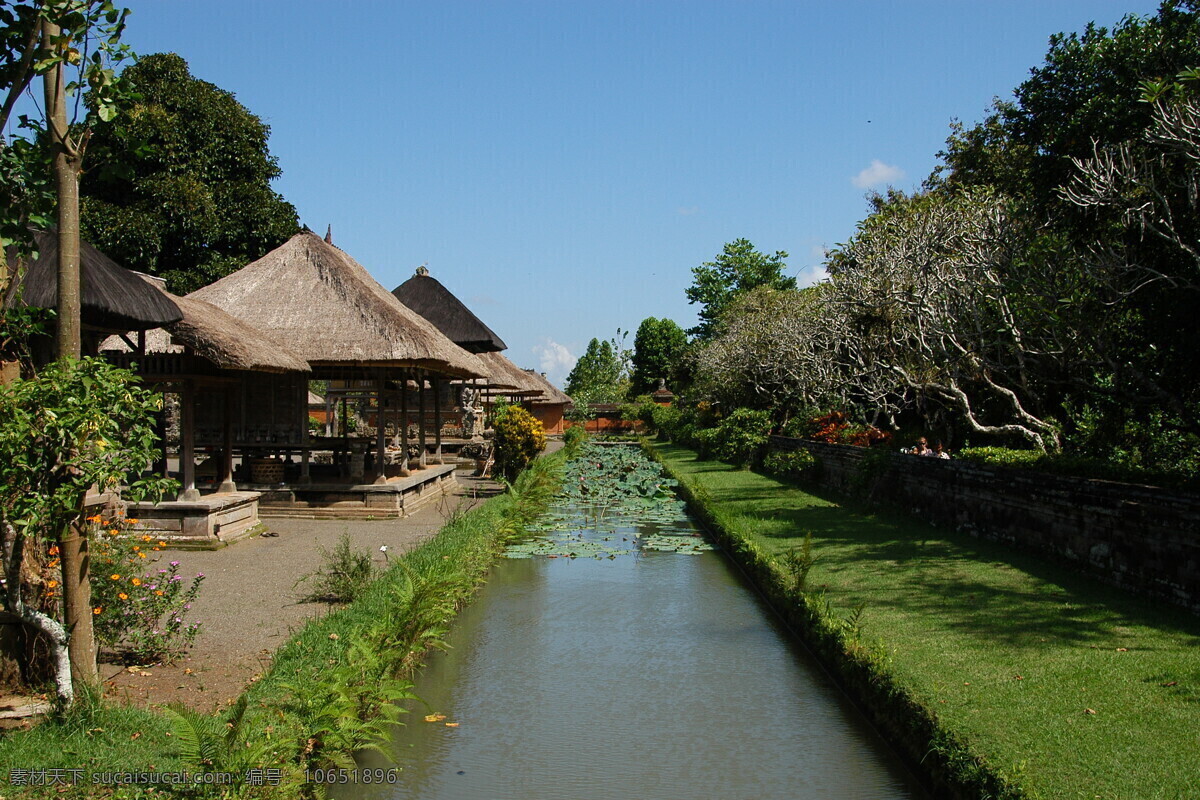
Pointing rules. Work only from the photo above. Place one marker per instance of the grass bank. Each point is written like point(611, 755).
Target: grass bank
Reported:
point(999, 674)
point(330, 691)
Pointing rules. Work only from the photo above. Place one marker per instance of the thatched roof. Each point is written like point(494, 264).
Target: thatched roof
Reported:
point(551, 393)
point(504, 374)
point(217, 337)
point(111, 297)
point(325, 306)
point(425, 295)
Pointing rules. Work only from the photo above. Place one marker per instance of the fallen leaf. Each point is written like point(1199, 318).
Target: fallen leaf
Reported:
point(1171, 683)
point(435, 717)
point(135, 736)
point(1122, 649)
point(187, 671)
point(1088, 711)
point(451, 724)
point(334, 636)
point(144, 674)
point(1018, 677)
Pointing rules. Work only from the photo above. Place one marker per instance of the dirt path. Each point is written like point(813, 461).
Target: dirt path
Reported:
point(249, 603)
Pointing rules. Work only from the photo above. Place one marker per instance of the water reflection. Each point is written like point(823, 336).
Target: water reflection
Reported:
point(659, 677)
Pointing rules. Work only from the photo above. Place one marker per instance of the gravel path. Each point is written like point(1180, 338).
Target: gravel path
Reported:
point(249, 602)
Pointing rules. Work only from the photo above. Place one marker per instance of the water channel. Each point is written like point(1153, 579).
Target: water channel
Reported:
point(629, 672)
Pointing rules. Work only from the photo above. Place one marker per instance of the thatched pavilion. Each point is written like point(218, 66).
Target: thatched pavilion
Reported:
point(425, 295)
point(112, 298)
point(323, 305)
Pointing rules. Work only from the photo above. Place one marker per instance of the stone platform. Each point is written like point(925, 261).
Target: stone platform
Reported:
point(391, 500)
point(213, 521)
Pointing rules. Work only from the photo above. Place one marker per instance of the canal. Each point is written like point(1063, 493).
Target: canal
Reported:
point(616, 656)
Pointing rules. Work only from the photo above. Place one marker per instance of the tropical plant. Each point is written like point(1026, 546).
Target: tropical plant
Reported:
point(343, 575)
point(78, 424)
point(519, 438)
point(140, 607)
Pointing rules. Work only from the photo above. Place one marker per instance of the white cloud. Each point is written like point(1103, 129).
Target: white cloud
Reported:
point(555, 359)
point(878, 174)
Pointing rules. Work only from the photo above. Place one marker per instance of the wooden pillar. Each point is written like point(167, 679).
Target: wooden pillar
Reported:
point(328, 412)
point(227, 484)
point(437, 419)
point(421, 417)
point(306, 434)
point(160, 467)
point(187, 444)
point(380, 436)
point(404, 426)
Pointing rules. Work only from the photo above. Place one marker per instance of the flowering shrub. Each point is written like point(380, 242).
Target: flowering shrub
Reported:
point(140, 606)
point(519, 438)
point(836, 428)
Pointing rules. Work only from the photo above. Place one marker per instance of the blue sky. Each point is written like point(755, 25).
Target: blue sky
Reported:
point(561, 166)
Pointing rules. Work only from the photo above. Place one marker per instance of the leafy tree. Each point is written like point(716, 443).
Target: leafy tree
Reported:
point(777, 351)
point(76, 425)
point(658, 346)
point(598, 376)
point(184, 185)
point(1089, 89)
point(739, 268)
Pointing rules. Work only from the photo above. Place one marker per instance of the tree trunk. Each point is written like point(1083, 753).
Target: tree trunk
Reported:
point(77, 603)
point(66, 179)
point(77, 592)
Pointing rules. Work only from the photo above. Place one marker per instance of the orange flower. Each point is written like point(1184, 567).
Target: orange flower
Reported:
point(123, 596)
point(136, 581)
point(51, 584)
point(132, 521)
point(53, 549)
point(147, 537)
point(97, 610)
point(158, 592)
point(162, 543)
point(115, 577)
point(141, 555)
point(94, 518)
point(112, 532)
point(136, 548)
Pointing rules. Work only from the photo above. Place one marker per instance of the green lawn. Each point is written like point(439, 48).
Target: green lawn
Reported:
point(1071, 688)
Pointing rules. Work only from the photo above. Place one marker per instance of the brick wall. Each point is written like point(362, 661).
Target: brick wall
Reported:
point(1141, 538)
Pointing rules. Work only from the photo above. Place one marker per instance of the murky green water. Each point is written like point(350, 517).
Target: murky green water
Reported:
point(648, 676)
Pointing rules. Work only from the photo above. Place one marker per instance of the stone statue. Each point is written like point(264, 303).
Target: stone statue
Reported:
point(472, 415)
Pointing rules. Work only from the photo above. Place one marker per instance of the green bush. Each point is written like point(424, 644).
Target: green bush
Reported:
point(666, 421)
point(1080, 466)
point(790, 463)
point(740, 437)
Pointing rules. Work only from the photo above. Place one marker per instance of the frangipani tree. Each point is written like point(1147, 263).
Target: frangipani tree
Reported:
point(925, 288)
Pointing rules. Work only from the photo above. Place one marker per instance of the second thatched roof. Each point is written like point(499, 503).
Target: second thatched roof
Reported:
point(111, 297)
point(425, 295)
point(217, 337)
point(508, 377)
point(323, 305)
point(550, 392)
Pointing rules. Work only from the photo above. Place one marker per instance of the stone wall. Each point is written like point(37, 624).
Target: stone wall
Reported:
point(1141, 538)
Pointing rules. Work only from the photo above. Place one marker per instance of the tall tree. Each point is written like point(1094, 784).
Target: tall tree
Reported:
point(71, 44)
point(183, 184)
point(738, 269)
point(658, 346)
point(597, 376)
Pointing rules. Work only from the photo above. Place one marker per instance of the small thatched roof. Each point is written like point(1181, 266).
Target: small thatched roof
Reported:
point(551, 393)
point(111, 297)
point(425, 295)
point(215, 336)
point(325, 306)
point(504, 374)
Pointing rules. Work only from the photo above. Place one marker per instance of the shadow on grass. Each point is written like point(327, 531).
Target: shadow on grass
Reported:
point(986, 590)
